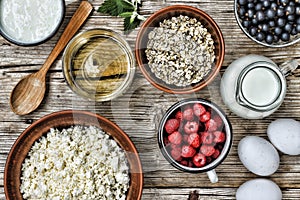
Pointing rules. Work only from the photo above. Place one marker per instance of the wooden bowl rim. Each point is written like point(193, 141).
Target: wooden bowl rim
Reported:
point(215, 69)
point(132, 158)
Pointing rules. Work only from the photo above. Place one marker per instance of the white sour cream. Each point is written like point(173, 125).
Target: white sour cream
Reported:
point(30, 21)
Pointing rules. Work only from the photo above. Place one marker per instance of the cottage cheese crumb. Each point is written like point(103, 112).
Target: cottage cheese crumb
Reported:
point(75, 163)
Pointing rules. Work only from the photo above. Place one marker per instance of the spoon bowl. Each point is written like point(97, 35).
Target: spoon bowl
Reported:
point(29, 92)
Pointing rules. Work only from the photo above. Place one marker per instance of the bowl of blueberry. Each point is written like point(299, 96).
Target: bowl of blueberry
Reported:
point(272, 23)
point(195, 135)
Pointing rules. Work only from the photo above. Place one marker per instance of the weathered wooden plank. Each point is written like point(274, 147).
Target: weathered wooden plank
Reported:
point(140, 109)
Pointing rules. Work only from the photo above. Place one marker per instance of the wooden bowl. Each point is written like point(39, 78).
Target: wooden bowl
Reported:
point(60, 120)
point(167, 13)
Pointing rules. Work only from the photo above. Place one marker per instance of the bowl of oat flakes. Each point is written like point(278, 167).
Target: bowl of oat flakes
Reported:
point(73, 155)
point(180, 49)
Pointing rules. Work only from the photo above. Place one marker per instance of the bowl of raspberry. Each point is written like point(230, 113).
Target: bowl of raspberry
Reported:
point(195, 135)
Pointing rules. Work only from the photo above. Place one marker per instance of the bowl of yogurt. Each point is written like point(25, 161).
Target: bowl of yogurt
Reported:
point(30, 22)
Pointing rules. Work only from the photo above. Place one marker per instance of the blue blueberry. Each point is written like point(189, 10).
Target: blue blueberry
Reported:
point(281, 22)
point(280, 12)
point(270, 13)
point(269, 39)
point(288, 27)
point(277, 31)
point(258, 7)
point(260, 15)
point(253, 31)
point(242, 2)
point(260, 36)
point(285, 37)
point(290, 10)
point(298, 28)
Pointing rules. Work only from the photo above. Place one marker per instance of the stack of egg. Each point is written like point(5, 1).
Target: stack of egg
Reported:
point(261, 158)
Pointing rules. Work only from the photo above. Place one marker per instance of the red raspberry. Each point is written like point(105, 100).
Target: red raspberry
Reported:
point(198, 109)
point(205, 117)
point(190, 164)
point(211, 125)
point(191, 127)
point(219, 137)
point(179, 115)
point(208, 160)
point(175, 146)
point(188, 114)
point(216, 154)
point(185, 138)
point(199, 160)
point(207, 138)
point(219, 147)
point(194, 140)
point(166, 141)
point(219, 121)
point(171, 125)
point(176, 154)
point(184, 162)
point(175, 138)
point(187, 151)
point(207, 150)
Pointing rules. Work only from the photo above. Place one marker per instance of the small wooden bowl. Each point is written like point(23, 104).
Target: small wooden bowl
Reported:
point(60, 120)
point(167, 13)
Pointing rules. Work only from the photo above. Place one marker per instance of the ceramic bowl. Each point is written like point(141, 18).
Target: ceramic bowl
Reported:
point(293, 39)
point(167, 13)
point(60, 120)
point(170, 149)
point(41, 24)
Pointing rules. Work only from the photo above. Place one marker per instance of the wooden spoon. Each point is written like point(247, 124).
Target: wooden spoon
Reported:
point(29, 92)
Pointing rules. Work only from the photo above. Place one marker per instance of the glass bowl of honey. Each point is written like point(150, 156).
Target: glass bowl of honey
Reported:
point(98, 64)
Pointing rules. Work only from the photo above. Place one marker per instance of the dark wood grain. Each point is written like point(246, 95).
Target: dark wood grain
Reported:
point(140, 109)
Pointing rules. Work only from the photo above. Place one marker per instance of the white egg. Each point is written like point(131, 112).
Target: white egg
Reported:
point(285, 135)
point(259, 189)
point(258, 155)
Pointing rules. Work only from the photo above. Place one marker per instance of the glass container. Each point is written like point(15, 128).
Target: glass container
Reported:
point(254, 87)
point(98, 64)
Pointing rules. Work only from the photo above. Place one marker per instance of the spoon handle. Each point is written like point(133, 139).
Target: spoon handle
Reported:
point(75, 23)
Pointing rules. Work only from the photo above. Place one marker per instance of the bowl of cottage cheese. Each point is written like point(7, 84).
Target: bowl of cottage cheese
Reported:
point(30, 22)
point(73, 155)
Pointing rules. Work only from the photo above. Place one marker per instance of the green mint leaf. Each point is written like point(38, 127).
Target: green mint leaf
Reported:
point(128, 25)
point(126, 14)
point(116, 7)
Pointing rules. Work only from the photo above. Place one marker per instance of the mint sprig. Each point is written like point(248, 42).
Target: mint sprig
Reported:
point(123, 8)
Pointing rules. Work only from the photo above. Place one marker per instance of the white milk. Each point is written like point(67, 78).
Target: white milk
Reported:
point(253, 87)
point(30, 21)
point(261, 86)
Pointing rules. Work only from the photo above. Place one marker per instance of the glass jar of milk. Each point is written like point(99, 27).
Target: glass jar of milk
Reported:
point(253, 87)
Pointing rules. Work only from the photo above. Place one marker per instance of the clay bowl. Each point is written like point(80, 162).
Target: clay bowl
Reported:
point(167, 13)
point(60, 120)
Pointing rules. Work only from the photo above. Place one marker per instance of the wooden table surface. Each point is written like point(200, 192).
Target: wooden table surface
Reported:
point(140, 109)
